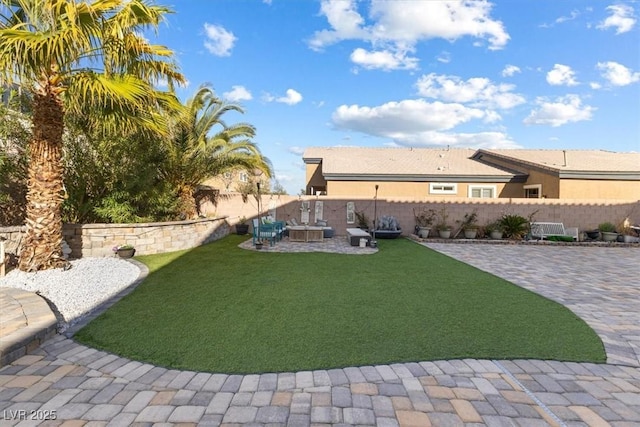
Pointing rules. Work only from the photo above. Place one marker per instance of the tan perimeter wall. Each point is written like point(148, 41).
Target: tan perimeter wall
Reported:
point(584, 214)
point(149, 238)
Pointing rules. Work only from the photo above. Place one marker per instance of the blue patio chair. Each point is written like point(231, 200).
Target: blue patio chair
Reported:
point(267, 233)
point(278, 226)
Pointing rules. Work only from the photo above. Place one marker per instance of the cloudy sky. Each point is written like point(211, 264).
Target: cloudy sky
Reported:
point(422, 73)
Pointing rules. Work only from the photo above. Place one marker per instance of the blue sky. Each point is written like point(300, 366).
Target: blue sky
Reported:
point(422, 73)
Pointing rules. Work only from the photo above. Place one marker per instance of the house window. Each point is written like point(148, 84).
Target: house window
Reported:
point(439, 188)
point(244, 177)
point(227, 175)
point(482, 191)
point(533, 191)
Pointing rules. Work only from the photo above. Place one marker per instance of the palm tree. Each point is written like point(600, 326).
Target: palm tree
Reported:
point(77, 56)
point(202, 145)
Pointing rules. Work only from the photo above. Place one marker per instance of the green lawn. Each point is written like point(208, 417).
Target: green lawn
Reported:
point(223, 309)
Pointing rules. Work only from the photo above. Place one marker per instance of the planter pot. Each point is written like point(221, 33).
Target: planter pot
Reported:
point(608, 236)
point(423, 232)
point(496, 235)
point(630, 239)
point(259, 245)
point(444, 234)
point(126, 253)
point(242, 229)
point(592, 234)
point(470, 233)
point(387, 234)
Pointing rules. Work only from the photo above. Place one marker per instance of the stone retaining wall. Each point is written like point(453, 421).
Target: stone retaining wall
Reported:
point(96, 240)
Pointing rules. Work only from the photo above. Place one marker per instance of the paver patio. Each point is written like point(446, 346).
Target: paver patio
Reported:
point(82, 385)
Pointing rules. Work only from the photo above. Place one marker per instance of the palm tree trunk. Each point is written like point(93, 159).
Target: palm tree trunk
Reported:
point(187, 202)
point(42, 245)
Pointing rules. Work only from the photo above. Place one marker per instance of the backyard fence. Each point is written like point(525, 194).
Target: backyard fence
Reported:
point(150, 238)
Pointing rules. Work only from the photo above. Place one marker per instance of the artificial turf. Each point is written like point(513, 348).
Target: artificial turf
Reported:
point(220, 308)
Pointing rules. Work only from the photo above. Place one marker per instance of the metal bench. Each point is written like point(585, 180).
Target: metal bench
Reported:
point(543, 230)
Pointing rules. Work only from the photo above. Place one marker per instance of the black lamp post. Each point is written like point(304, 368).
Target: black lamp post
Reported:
point(259, 239)
point(375, 217)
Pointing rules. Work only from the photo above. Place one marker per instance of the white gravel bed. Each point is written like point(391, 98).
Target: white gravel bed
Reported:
point(77, 291)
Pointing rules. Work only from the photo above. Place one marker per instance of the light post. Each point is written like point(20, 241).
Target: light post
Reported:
point(374, 243)
point(257, 173)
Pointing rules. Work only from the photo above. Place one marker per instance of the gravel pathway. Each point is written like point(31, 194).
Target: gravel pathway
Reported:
point(74, 293)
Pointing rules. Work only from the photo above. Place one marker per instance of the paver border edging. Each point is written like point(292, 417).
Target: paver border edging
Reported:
point(41, 325)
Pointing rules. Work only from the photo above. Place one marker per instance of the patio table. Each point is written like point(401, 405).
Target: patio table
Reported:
point(305, 233)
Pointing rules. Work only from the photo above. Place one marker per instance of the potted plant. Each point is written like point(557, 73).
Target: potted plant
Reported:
point(627, 234)
point(469, 225)
point(388, 228)
point(494, 230)
point(514, 226)
point(424, 220)
point(242, 227)
point(124, 251)
point(444, 229)
point(608, 232)
point(363, 221)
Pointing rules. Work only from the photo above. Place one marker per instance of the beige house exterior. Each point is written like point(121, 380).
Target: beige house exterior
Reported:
point(471, 173)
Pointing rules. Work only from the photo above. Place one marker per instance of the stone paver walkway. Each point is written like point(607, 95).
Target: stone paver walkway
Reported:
point(82, 386)
point(599, 284)
point(338, 244)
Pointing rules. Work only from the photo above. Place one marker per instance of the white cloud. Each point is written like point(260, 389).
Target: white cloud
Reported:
point(345, 21)
point(296, 150)
point(617, 74)
point(292, 97)
point(595, 85)
point(479, 92)
point(622, 18)
point(397, 26)
point(219, 41)
point(574, 14)
point(384, 59)
point(510, 70)
point(444, 57)
point(397, 119)
point(238, 93)
point(556, 113)
point(561, 75)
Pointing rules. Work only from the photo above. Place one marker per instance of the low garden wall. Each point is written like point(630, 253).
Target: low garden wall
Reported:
point(97, 240)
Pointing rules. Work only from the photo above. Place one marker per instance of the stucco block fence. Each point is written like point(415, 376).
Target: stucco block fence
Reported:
point(585, 214)
point(98, 240)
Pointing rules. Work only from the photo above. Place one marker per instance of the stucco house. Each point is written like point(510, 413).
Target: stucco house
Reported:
point(471, 173)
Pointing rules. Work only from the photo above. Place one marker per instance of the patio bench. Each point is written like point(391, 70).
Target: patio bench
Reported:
point(355, 234)
point(544, 230)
